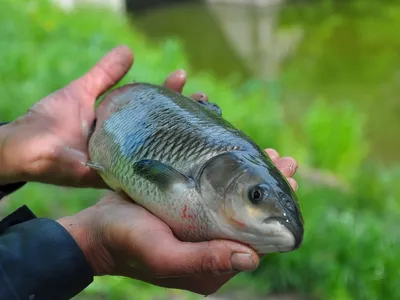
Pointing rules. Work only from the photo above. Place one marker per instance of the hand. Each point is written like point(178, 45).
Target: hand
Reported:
point(121, 238)
point(49, 143)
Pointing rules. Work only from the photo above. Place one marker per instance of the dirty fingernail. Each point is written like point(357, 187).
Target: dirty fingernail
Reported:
point(243, 262)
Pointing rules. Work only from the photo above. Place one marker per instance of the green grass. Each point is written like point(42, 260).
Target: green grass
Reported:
point(351, 245)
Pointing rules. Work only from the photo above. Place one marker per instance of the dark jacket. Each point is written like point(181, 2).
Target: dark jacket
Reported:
point(39, 259)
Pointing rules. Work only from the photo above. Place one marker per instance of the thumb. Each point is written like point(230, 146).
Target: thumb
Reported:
point(105, 74)
point(215, 257)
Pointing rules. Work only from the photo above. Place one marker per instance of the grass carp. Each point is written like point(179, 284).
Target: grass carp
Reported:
point(184, 163)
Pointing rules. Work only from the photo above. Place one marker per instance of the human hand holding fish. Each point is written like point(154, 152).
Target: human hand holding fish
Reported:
point(124, 239)
point(117, 236)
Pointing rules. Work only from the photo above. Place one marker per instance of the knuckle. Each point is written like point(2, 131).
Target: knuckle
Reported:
point(289, 160)
point(215, 265)
point(107, 74)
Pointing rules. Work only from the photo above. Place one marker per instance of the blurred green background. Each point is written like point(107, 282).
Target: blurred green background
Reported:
point(316, 80)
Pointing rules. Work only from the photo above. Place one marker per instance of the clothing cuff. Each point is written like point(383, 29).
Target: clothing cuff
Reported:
point(46, 261)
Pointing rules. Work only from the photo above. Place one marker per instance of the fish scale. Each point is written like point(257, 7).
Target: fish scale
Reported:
point(166, 144)
point(155, 145)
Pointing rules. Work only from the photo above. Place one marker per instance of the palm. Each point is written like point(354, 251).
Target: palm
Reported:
point(62, 126)
point(68, 117)
point(144, 239)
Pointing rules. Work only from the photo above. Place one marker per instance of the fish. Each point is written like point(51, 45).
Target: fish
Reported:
point(187, 165)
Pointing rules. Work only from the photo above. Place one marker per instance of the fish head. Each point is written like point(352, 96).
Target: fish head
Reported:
point(252, 202)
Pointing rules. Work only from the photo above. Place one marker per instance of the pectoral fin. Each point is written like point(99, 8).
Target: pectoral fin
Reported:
point(162, 175)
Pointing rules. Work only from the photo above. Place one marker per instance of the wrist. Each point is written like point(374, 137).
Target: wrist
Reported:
point(24, 153)
point(11, 167)
point(84, 230)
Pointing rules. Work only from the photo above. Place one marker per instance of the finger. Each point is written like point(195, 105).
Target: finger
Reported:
point(176, 81)
point(287, 166)
point(216, 257)
point(106, 73)
point(273, 154)
point(199, 97)
point(293, 183)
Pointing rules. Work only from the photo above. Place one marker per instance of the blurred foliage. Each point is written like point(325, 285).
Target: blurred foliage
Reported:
point(351, 245)
point(347, 147)
point(349, 53)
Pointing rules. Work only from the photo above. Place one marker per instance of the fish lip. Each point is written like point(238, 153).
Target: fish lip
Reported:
point(297, 232)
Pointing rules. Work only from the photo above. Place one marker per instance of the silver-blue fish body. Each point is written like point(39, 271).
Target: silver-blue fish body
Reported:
point(191, 168)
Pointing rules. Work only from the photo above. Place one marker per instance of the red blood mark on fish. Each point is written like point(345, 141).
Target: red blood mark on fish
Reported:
point(186, 215)
point(240, 223)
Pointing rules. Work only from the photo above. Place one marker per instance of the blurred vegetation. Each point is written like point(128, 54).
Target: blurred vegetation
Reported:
point(351, 246)
point(350, 52)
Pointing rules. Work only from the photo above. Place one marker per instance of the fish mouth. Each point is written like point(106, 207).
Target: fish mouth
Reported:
point(297, 232)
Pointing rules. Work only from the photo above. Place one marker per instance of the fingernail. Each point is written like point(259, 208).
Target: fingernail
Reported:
point(243, 262)
point(180, 73)
point(177, 73)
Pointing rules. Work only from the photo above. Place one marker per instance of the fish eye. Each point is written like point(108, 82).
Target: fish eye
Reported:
point(257, 194)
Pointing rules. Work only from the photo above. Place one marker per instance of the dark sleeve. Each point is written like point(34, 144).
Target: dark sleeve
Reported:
point(39, 260)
